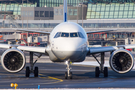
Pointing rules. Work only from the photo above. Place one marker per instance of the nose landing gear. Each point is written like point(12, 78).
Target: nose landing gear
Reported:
point(68, 74)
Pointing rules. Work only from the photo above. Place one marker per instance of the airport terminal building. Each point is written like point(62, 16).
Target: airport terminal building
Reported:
point(96, 9)
point(105, 13)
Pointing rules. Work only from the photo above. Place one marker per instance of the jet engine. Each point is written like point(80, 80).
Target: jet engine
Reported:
point(13, 60)
point(121, 61)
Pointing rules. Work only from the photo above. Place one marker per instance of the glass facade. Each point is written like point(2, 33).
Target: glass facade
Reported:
point(85, 25)
point(111, 9)
point(108, 25)
point(15, 7)
point(99, 9)
point(96, 9)
point(56, 3)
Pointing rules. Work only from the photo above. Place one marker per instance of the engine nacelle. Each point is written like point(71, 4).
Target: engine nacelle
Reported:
point(121, 61)
point(13, 60)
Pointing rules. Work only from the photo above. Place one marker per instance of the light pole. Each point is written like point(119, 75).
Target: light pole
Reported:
point(27, 14)
point(27, 21)
point(22, 13)
point(77, 10)
point(82, 11)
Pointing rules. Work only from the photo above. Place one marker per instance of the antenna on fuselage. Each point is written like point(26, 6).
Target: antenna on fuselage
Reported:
point(65, 11)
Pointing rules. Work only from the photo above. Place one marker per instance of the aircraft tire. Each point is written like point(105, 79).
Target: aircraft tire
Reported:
point(27, 72)
point(97, 72)
point(105, 72)
point(66, 75)
point(70, 75)
point(36, 72)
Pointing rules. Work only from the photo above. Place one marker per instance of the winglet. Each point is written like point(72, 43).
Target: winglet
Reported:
point(65, 11)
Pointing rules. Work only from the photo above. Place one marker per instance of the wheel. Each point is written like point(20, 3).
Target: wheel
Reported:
point(105, 72)
point(66, 75)
point(70, 75)
point(97, 72)
point(27, 72)
point(36, 72)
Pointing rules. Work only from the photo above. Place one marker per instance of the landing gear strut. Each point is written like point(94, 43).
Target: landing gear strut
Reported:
point(68, 74)
point(102, 69)
point(30, 70)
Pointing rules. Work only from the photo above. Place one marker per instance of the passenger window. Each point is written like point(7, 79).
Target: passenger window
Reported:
point(80, 35)
point(73, 35)
point(57, 35)
point(65, 35)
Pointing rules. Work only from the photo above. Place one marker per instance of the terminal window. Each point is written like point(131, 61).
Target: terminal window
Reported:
point(42, 14)
point(36, 13)
point(46, 13)
point(51, 14)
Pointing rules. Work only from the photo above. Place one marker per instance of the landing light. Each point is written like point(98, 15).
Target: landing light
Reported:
point(67, 62)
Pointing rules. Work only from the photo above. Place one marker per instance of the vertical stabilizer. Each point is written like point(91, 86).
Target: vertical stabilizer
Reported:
point(65, 11)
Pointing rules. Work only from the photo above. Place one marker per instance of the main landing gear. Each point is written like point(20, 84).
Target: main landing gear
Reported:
point(30, 70)
point(68, 74)
point(102, 69)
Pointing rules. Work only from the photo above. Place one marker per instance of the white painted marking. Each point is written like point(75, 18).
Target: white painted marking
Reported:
point(78, 89)
point(94, 63)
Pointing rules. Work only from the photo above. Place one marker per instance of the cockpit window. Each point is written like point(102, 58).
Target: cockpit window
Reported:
point(80, 35)
point(57, 35)
point(65, 35)
point(73, 35)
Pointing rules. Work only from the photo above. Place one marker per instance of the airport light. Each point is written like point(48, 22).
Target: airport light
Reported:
point(14, 85)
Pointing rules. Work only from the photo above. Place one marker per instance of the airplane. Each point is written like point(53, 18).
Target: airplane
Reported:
point(67, 43)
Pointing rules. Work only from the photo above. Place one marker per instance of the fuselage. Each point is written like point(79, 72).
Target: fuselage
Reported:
point(68, 40)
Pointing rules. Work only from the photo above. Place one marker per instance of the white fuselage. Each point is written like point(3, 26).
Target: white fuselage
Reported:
point(68, 40)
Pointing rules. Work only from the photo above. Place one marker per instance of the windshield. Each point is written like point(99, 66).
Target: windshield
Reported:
point(80, 35)
point(57, 35)
point(73, 35)
point(65, 35)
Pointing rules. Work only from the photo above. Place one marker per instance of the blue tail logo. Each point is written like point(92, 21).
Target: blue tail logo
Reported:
point(65, 11)
point(65, 20)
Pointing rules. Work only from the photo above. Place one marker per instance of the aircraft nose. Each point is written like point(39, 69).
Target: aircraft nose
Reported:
point(70, 46)
point(67, 50)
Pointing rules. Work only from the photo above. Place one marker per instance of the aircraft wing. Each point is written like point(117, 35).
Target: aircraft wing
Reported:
point(32, 49)
point(93, 50)
point(33, 31)
point(6, 46)
point(101, 31)
point(25, 48)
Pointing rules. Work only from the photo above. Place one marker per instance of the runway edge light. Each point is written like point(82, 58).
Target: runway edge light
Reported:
point(14, 85)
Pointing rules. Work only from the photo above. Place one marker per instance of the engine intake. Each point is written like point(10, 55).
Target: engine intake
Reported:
point(121, 61)
point(13, 60)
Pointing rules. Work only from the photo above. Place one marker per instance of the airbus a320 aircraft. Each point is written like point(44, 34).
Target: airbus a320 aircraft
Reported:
point(68, 43)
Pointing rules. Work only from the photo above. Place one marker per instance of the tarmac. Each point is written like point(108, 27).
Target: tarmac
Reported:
point(51, 76)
